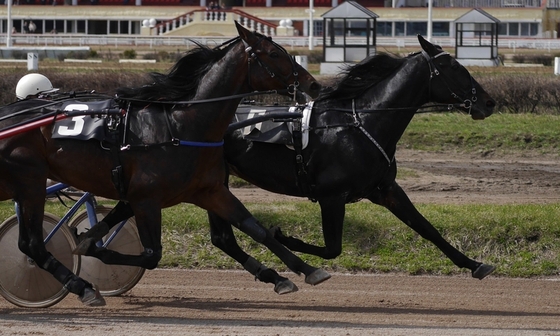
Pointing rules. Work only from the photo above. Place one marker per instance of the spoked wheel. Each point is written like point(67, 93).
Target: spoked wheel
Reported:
point(111, 280)
point(22, 282)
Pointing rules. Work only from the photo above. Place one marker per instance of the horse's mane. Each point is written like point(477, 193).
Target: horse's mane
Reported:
point(356, 79)
point(183, 78)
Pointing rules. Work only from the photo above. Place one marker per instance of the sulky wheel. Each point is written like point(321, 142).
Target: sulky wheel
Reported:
point(21, 281)
point(111, 279)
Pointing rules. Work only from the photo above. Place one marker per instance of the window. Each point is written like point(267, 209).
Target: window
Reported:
point(399, 29)
point(513, 29)
point(113, 27)
point(318, 27)
point(502, 28)
point(384, 29)
point(484, 29)
point(415, 28)
point(533, 29)
point(440, 28)
point(356, 28)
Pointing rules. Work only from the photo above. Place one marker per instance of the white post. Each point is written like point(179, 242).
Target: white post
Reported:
point(10, 25)
point(310, 24)
point(32, 61)
point(429, 20)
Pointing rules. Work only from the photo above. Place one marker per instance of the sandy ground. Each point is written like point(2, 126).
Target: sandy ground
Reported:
point(209, 302)
point(192, 302)
point(465, 178)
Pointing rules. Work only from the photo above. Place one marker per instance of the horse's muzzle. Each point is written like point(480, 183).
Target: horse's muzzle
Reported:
point(482, 113)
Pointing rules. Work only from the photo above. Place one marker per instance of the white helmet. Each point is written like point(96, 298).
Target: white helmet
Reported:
point(33, 84)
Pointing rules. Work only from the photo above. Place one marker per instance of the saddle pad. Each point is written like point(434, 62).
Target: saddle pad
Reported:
point(266, 131)
point(82, 127)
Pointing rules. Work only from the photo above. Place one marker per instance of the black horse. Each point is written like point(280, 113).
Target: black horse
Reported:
point(168, 150)
point(353, 132)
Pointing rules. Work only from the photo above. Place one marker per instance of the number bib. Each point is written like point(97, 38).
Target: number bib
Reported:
point(82, 127)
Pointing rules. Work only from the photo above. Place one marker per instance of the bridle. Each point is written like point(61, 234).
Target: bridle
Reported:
point(466, 103)
point(253, 57)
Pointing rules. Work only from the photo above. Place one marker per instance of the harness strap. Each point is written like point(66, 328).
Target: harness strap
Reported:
point(117, 174)
point(302, 180)
point(358, 124)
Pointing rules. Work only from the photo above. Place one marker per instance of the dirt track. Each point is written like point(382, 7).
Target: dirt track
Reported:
point(466, 178)
point(189, 302)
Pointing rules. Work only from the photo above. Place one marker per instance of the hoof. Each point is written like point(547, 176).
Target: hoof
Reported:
point(285, 287)
point(317, 277)
point(92, 298)
point(482, 271)
point(83, 247)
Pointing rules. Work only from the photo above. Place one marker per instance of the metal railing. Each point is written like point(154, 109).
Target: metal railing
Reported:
point(487, 3)
point(125, 41)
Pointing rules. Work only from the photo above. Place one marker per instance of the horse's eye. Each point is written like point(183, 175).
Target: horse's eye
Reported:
point(274, 54)
point(455, 65)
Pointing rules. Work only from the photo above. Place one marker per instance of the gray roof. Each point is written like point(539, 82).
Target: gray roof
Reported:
point(350, 10)
point(477, 15)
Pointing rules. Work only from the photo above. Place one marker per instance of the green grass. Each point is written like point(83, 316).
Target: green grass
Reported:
point(500, 133)
point(521, 240)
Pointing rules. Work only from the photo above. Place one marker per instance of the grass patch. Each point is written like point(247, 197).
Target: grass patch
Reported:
point(521, 240)
point(500, 133)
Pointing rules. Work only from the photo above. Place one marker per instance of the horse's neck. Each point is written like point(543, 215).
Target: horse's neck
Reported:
point(226, 78)
point(393, 103)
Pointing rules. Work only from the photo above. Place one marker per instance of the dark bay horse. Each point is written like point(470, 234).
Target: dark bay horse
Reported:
point(353, 134)
point(170, 151)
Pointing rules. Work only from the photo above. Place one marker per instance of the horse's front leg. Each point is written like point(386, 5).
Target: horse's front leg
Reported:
point(30, 242)
point(148, 222)
point(332, 217)
point(222, 237)
point(394, 198)
point(224, 204)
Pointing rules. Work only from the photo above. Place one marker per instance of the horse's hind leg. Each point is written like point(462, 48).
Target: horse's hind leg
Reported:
point(332, 216)
point(394, 198)
point(148, 222)
point(222, 237)
point(30, 214)
point(228, 207)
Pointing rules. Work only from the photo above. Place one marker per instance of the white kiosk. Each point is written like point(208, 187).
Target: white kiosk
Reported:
point(349, 36)
point(477, 39)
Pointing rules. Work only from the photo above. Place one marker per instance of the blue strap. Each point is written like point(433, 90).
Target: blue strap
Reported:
point(200, 144)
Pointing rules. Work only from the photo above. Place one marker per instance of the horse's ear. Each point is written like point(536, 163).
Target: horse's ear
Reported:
point(244, 33)
point(427, 46)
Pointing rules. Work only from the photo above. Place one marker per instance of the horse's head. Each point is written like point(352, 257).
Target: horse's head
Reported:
point(271, 67)
point(451, 83)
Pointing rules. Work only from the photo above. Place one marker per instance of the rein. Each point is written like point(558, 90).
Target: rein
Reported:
point(51, 103)
point(203, 101)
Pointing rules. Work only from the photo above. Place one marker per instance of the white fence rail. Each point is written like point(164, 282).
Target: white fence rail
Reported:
point(124, 41)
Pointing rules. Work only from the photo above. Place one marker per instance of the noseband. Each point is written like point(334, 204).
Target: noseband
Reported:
point(434, 71)
point(292, 88)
